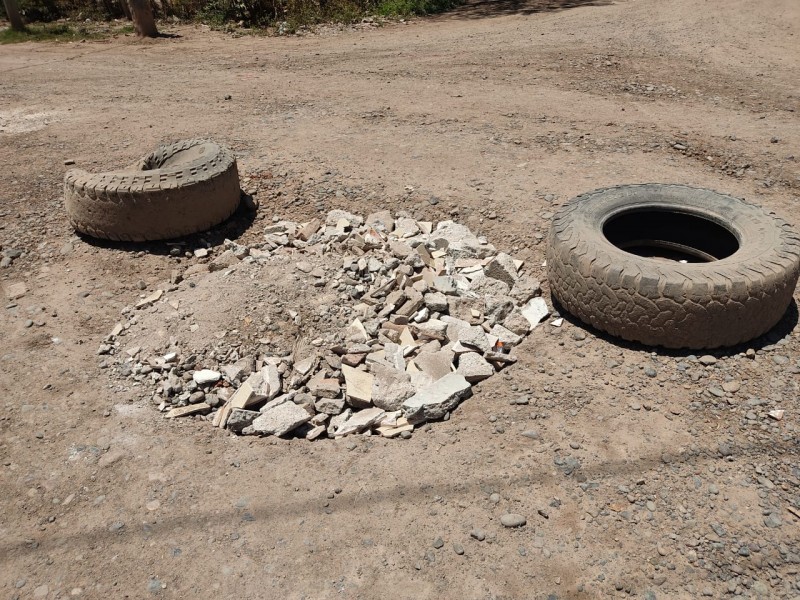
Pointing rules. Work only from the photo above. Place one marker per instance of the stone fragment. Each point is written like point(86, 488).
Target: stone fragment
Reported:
point(707, 360)
point(16, 290)
point(336, 216)
point(535, 311)
point(502, 268)
point(239, 419)
point(315, 432)
point(513, 520)
point(777, 414)
point(356, 332)
point(517, 322)
point(731, 386)
point(390, 387)
point(224, 261)
point(412, 304)
point(433, 329)
point(338, 421)
point(391, 432)
point(189, 409)
point(358, 387)
point(436, 364)
point(445, 284)
point(360, 421)
point(281, 419)
point(525, 288)
point(437, 399)
point(436, 301)
point(473, 367)
point(381, 219)
point(508, 338)
point(474, 337)
point(308, 230)
point(497, 308)
point(324, 388)
point(329, 406)
point(150, 300)
point(206, 376)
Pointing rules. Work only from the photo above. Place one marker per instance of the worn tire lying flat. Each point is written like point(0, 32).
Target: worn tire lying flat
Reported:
point(179, 189)
point(698, 305)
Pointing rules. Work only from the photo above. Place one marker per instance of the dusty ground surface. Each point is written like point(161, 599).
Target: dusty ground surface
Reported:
point(646, 479)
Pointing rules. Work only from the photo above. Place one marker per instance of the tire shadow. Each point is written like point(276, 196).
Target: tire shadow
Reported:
point(780, 331)
point(231, 228)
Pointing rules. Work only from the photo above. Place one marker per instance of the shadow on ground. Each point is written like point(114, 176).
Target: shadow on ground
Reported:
point(480, 9)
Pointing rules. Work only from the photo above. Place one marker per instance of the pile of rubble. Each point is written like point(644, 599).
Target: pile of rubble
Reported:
point(436, 310)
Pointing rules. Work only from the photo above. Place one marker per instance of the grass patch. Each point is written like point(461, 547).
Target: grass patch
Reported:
point(47, 32)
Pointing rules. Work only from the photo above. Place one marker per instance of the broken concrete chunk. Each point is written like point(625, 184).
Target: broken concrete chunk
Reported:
point(324, 388)
point(436, 301)
point(517, 322)
point(329, 406)
point(433, 329)
point(412, 304)
point(473, 367)
point(306, 232)
point(390, 387)
point(436, 364)
point(338, 421)
point(360, 421)
point(381, 219)
point(438, 399)
point(358, 387)
point(474, 337)
point(190, 409)
point(508, 338)
point(503, 269)
point(525, 288)
point(224, 261)
point(281, 419)
point(357, 333)
point(535, 311)
point(150, 300)
point(239, 419)
point(445, 284)
point(336, 216)
point(206, 376)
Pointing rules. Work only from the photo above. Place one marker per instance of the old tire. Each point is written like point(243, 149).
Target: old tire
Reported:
point(742, 286)
point(176, 190)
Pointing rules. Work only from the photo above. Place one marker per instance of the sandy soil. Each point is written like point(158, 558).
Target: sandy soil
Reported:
point(493, 115)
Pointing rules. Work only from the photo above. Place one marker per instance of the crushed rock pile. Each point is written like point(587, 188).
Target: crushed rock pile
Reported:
point(434, 310)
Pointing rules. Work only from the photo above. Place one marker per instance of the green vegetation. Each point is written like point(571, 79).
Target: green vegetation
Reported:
point(285, 15)
point(58, 32)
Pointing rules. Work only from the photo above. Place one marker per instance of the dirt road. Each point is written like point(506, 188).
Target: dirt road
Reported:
point(639, 476)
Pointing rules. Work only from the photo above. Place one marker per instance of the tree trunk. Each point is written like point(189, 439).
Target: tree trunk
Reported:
point(142, 15)
point(126, 10)
point(12, 12)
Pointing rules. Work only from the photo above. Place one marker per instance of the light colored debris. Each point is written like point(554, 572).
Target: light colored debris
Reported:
point(436, 400)
point(360, 421)
point(359, 387)
point(189, 409)
point(281, 419)
point(473, 367)
point(206, 376)
point(150, 300)
point(535, 311)
point(390, 387)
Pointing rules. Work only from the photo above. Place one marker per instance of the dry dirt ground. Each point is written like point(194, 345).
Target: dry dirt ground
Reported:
point(646, 478)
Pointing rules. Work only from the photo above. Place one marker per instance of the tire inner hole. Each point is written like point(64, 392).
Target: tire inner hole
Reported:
point(670, 235)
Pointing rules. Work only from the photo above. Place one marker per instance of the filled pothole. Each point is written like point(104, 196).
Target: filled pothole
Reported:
point(328, 329)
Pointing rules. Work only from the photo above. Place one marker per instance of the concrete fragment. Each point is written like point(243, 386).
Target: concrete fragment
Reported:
point(445, 284)
point(239, 419)
point(150, 300)
point(435, 301)
point(308, 230)
point(392, 432)
point(525, 288)
point(281, 419)
point(329, 406)
point(381, 219)
point(224, 261)
point(358, 387)
point(356, 332)
point(390, 387)
point(436, 364)
point(437, 399)
point(206, 376)
point(338, 421)
point(535, 311)
point(503, 269)
point(336, 216)
point(509, 338)
point(515, 321)
point(315, 432)
point(474, 337)
point(324, 388)
point(360, 421)
point(190, 409)
point(433, 329)
point(473, 367)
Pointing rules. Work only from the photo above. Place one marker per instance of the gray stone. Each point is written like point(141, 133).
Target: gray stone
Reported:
point(335, 216)
point(224, 261)
point(436, 364)
point(525, 288)
point(772, 520)
point(206, 376)
point(503, 269)
point(474, 367)
point(509, 338)
point(360, 421)
point(512, 520)
point(390, 387)
point(329, 406)
point(474, 337)
point(281, 419)
point(435, 301)
point(707, 360)
point(436, 400)
point(517, 322)
point(240, 418)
